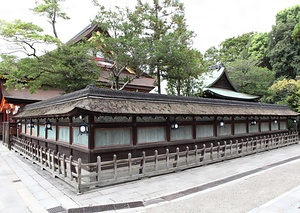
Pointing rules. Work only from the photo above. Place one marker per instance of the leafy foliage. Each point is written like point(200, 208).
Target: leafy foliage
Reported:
point(50, 9)
point(284, 50)
point(120, 42)
point(234, 48)
point(152, 38)
point(68, 67)
point(24, 37)
point(286, 91)
point(249, 78)
point(165, 28)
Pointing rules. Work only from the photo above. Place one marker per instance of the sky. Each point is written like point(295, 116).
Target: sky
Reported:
point(213, 21)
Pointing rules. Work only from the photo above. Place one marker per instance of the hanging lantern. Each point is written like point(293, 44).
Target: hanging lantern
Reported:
point(253, 122)
point(30, 124)
point(174, 125)
point(83, 128)
point(48, 125)
point(222, 123)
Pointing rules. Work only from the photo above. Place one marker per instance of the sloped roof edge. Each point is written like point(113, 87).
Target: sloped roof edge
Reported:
point(230, 94)
point(104, 101)
point(210, 78)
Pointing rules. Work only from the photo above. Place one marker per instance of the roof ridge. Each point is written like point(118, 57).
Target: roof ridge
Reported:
point(92, 90)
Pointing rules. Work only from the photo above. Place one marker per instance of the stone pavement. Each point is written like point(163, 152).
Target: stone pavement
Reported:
point(24, 187)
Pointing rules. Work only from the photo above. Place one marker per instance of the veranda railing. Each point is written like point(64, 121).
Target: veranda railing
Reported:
point(83, 176)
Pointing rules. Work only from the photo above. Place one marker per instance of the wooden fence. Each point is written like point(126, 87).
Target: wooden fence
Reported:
point(83, 176)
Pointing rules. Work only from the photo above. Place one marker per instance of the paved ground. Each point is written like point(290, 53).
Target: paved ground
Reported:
point(261, 183)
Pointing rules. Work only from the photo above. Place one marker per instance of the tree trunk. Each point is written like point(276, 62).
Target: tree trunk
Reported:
point(117, 78)
point(158, 79)
point(178, 88)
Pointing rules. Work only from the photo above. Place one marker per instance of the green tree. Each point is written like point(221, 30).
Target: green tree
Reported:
point(68, 67)
point(235, 47)
point(24, 37)
point(286, 91)
point(121, 42)
point(161, 20)
point(211, 56)
point(183, 71)
point(50, 9)
point(283, 49)
point(249, 78)
point(152, 38)
point(257, 49)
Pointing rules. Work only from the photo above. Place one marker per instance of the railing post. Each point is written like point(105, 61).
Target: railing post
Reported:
point(187, 155)
point(225, 147)
point(48, 158)
point(53, 161)
point(203, 156)
point(58, 163)
point(115, 166)
point(218, 150)
point(156, 160)
point(144, 163)
point(41, 154)
point(64, 165)
point(230, 148)
point(70, 166)
point(256, 143)
point(32, 151)
point(167, 159)
point(99, 169)
point(196, 154)
point(79, 167)
point(129, 164)
point(177, 157)
point(211, 151)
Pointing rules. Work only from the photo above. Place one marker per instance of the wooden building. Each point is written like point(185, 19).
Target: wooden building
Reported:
point(216, 84)
point(122, 122)
point(143, 83)
point(12, 100)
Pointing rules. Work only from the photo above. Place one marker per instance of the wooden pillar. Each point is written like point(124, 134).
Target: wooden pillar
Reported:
point(134, 135)
point(216, 124)
point(247, 124)
point(71, 131)
point(194, 127)
point(168, 129)
point(57, 130)
point(232, 125)
point(134, 131)
point(91, 134)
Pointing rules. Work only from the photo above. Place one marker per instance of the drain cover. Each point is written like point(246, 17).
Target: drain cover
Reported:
point(56, 209)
